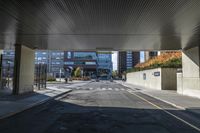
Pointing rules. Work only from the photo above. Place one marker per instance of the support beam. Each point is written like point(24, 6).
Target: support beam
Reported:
point(23, 80)
point(189, 80)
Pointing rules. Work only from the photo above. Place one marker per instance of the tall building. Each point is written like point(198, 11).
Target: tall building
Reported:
point(127, 60)
point(149, 55)
point(8, 63)
point(60, 63)
point(54, 61)
point(104, 61)
point(86, 60)
point(122, 62)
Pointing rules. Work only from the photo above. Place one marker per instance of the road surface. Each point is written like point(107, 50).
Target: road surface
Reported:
point(102, 107)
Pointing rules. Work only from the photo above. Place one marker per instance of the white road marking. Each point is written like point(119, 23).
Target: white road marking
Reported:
point(122, 89)
point(98, 88)
point(109, 89)
point(167, 112)
point(116, 89)
point(103, 89)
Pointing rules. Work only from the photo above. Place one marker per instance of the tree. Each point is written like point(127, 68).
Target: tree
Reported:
point(77, 72)
point(114, 74)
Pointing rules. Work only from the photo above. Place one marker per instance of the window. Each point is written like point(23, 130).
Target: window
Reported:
point(69, 55)
point(85, 55)
point(90, 63)
point(69, 63)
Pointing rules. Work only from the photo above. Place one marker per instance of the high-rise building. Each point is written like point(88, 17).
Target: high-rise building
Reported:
point(127, 60)
point(8, 63)
point(149, 55)
point(60, 62)
point(54, 61)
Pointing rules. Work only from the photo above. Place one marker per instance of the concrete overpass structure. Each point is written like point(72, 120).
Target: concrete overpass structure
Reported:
point(101, 25)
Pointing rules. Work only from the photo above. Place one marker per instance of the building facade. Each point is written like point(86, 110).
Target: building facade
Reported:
point(149, 55)
point(86, 60)
point(127, 60)
point(104, 62)
point(8, 63)
point(54, 61)
point(92, 63)
point(62, 63)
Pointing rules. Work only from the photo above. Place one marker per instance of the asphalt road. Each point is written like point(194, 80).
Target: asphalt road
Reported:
point(102, 107)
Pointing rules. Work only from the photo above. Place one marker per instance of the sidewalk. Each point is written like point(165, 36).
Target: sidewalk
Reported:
point(170, 97)
point(15, 104)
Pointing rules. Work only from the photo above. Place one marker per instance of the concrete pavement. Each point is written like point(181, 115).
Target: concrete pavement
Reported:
point(15, 104)
point(103, 107)
point(170, 97)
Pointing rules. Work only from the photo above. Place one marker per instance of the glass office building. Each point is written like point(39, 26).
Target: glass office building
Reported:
point(54, 61)
point(104, 67)
point(86, 60)
point(8, 63)
point(58, 63)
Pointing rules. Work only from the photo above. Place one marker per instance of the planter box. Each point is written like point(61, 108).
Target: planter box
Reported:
point(159, 78)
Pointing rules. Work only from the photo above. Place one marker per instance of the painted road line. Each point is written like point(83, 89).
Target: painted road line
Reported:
point(98, 89)
point(103, 89)
point(116, 89)
point(109, 89)
point(167, 112)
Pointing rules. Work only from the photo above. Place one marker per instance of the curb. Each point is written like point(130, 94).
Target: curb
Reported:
point(176, 106)
point(33, 105)
point(170, 103)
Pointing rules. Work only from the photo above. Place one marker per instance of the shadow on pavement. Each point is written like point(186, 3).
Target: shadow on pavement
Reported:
point(64, 117)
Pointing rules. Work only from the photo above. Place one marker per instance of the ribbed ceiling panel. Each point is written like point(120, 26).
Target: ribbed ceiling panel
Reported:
point(93, 24)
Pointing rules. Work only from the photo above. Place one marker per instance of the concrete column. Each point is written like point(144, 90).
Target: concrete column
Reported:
point(23, 80)
point(191, 72)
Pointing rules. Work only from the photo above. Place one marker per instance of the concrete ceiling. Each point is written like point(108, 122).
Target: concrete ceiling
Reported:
point(100, 24)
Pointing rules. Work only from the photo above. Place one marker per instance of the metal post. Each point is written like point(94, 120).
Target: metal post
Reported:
point(39, 77)
point(1, 68)
point(16, 69)
point(60, 74)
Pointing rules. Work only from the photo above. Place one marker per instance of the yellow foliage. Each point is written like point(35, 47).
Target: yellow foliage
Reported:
point(161, 59)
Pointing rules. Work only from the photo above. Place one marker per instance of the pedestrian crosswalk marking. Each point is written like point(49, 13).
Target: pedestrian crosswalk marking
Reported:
point(102, 89)
point(116, 89)
point(98, 88)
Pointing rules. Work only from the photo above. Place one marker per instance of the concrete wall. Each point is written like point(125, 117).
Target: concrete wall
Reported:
point(189, 80)
point(27, 65)
point(180, 83)
point(159, 78)
point(23, 79)
point(169, 80)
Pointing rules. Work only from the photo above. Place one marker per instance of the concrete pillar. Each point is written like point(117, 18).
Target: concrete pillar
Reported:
point(191, 72)
point(23, 80)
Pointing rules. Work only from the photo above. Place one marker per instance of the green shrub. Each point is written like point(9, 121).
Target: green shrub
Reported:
point(51, 78)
